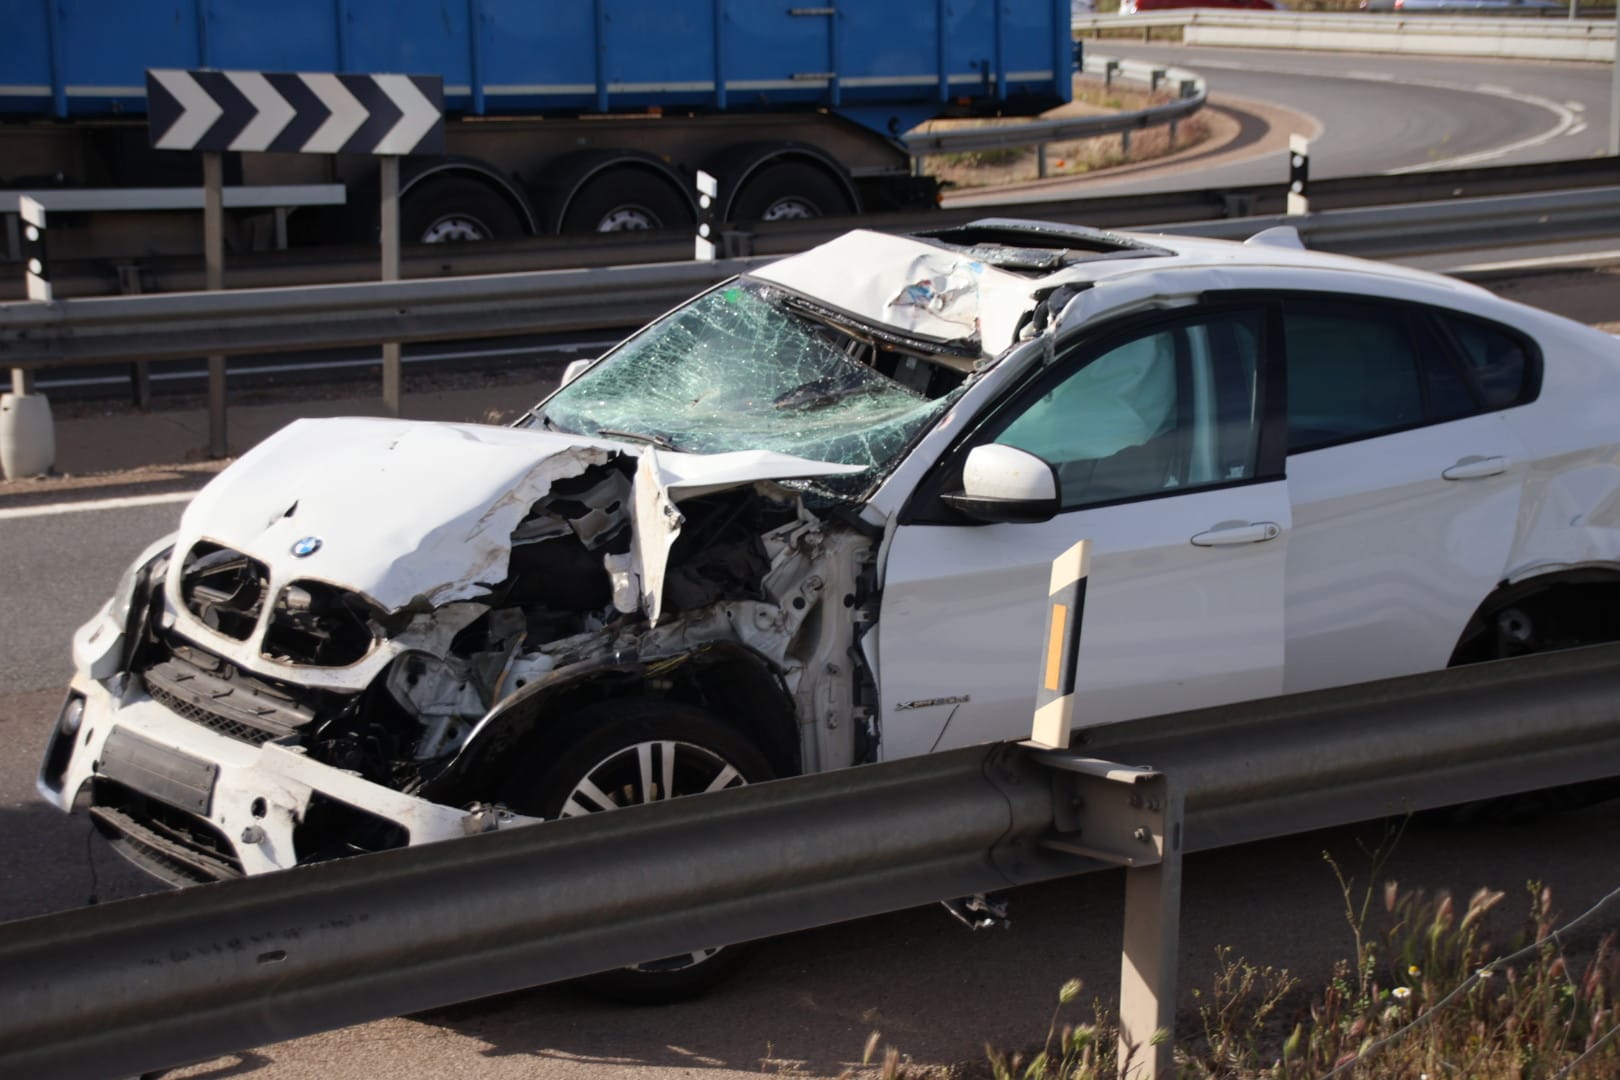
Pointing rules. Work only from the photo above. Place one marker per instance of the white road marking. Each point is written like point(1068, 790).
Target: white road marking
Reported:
point(1564, 113)
point(1575, 106)
point(122, 503)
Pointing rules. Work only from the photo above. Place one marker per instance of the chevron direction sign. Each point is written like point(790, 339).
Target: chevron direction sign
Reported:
point(305, 113)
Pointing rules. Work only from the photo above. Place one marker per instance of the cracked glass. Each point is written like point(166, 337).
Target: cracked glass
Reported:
point(736, 369)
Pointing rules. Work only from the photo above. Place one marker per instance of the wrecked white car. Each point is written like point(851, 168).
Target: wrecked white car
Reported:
point(804, 521)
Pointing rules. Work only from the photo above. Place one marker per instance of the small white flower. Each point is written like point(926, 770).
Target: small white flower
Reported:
point(1402, 992)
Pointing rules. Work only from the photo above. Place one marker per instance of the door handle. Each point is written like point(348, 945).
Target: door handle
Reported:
point(1474, 468)
point(1223, 535)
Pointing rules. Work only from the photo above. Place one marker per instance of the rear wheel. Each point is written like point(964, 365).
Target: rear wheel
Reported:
point(789, 191)
point(632, 751)
point(448, 209)
point(1560, 616)
point(627, 200)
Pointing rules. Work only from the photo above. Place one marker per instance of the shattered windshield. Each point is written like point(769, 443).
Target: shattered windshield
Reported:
point(739, 369)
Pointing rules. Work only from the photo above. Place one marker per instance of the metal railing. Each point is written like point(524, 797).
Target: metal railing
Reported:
point(1396, 32)
point(165, 979)
point(101, 330)
point(1188, 87)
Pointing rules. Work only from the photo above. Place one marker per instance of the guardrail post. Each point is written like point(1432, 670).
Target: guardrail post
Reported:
point(1147, 972)
point(140, 371)
point(392, 376)
point(214, 268)
point(1040, 160)
point(1125, 143)
point(1155, 77)
point(1189, 87)
point(1173, 124)
point(1109, 71)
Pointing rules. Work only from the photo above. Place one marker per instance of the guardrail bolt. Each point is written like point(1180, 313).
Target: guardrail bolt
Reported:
point(1143, 835)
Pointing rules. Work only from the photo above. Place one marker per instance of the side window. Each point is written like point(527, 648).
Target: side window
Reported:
point(1171, 408)
point(1499, 363)
point(1353, 371)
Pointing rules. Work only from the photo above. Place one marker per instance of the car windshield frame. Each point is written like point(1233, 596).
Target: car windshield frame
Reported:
point(750, 365)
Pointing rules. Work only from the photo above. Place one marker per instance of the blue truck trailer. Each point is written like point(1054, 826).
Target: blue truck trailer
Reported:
point(563, 116)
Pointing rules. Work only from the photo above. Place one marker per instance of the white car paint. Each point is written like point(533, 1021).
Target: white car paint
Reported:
point(1358, 561)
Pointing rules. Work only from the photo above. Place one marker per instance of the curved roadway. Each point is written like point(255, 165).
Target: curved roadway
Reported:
point(1371, 114)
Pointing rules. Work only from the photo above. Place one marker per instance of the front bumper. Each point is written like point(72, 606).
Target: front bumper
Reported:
point(189, 804)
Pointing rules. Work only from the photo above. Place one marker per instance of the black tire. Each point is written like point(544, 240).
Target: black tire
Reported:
point(1524, 630)
point(790, 190)
point(604, 751)
point(447, 209)
point(627, 200)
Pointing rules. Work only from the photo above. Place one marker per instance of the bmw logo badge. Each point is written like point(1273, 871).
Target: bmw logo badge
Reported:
point(306, 546)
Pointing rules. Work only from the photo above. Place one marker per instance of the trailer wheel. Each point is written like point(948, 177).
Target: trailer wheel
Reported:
point(787, 191)
point(626, 200)
point(451, 209)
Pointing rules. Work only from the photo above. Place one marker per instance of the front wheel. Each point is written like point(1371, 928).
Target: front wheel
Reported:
point(634, 751)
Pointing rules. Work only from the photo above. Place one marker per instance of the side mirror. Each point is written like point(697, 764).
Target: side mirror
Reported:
point(575, 369)
point(1005, 484)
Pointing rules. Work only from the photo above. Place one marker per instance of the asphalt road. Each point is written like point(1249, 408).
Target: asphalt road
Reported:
point(1376, 114)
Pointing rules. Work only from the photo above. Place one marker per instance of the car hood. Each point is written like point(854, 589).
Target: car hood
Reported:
point(415, 515)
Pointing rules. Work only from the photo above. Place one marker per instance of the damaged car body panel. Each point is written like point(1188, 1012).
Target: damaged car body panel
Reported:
point(735, 548)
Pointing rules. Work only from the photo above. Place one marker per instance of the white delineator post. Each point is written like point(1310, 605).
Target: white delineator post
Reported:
point(27, 434)
point(1299, 175)
point(708, 189)
point(1127, 816)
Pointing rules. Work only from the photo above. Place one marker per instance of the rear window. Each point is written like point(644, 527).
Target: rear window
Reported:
point(1499, 363)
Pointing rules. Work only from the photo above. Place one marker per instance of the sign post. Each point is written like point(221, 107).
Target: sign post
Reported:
point(299, 113)
point(392, 376)
point(214, 270)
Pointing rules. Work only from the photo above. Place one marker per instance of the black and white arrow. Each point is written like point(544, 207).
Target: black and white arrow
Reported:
point(310, 113)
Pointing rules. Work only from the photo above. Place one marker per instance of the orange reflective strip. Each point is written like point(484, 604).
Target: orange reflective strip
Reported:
point(1054, 646)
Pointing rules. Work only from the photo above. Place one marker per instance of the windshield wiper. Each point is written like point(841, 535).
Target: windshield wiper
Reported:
point(654, 439)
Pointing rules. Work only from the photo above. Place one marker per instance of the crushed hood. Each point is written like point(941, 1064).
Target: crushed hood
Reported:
point(420, 514)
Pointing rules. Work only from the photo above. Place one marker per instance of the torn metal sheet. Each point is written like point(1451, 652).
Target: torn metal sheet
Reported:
point(663, 478)
point(913, 286)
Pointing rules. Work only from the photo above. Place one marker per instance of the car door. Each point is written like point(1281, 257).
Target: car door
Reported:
point(1405, 481)
point(1168, 452)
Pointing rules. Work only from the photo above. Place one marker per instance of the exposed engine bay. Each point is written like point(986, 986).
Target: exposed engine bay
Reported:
point(748, 575)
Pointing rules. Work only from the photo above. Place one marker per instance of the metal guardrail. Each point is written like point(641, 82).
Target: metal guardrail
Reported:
point(1188, 86)
point(1394, 32)
point(167, 274)
point(123, 329)
point(161, 980)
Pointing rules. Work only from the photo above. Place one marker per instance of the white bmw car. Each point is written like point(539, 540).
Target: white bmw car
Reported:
point(805, 521)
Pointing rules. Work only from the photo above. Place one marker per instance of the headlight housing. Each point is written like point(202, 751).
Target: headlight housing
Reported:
point(123, 597)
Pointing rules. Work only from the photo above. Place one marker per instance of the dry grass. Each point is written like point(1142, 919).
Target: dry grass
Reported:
point(1422, 993)
point(995, 167)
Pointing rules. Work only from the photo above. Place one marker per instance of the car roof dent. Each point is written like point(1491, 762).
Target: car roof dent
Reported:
point(915, 287)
